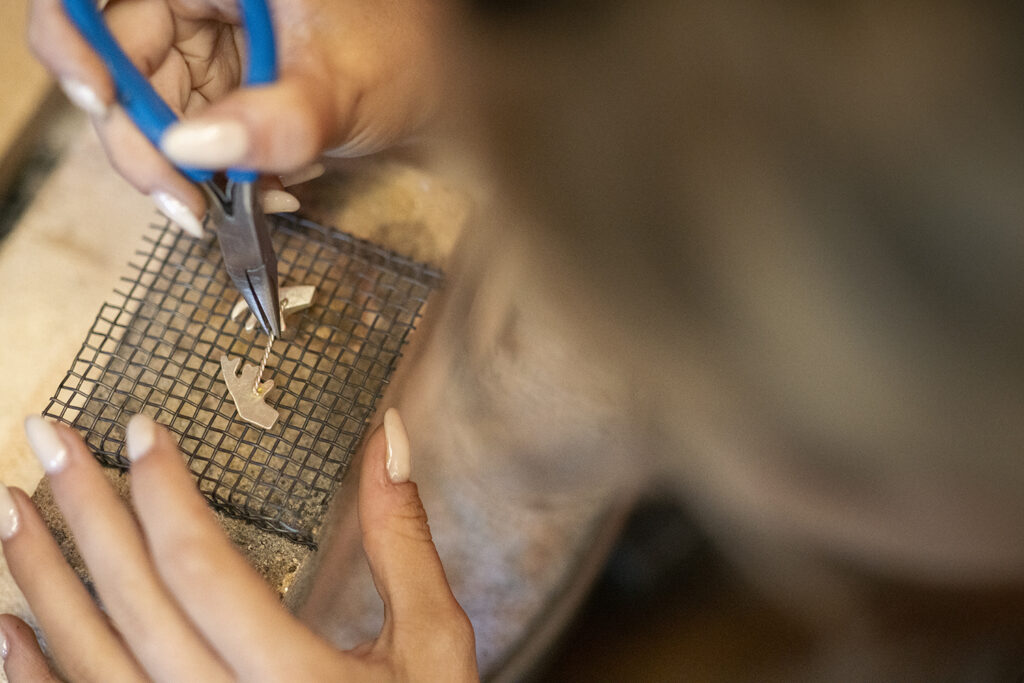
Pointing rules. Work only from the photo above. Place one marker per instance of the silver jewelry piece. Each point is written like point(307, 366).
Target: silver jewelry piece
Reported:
point(247, 392)
point(293, 300)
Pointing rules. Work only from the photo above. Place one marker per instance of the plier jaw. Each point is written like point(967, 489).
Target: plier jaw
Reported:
point(245, 243)
point(234, 210)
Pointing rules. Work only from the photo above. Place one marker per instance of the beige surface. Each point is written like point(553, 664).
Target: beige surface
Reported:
point(56, 270)
point(24, 85)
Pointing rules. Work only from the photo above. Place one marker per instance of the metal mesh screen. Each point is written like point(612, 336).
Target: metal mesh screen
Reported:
point(156, 349)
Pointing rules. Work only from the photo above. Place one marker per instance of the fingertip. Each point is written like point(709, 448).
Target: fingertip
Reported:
point(210, 142)
point(149, 171)
point(140, 436)
point(398, 460)
point(84, 96)
point(22, 657)
point(10, 520)
point(303, 175)
point(278, 128)
point(279, 201)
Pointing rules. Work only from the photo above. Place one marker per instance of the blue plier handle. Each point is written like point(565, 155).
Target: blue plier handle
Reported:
point(241, 226)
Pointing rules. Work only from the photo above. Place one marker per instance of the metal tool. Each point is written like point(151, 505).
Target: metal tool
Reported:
point(233, 205)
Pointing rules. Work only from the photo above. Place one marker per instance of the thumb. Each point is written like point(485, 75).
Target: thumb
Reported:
point(277, 128)
point(23, 659)
point(396, 536)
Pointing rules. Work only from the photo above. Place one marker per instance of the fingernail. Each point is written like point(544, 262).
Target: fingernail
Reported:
point(398, 447)
point(180, 215)
point(46, 443)
point(140, 435)
point(279, 201)
point(4, 650)
point(8, 523)
point(83, 97)
point(206, 144)
point(303, 175)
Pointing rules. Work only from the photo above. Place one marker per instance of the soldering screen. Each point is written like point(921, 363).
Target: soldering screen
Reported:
point(156, 349)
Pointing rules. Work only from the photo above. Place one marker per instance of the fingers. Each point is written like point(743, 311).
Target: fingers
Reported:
point(110, 543)
point(277, 128)
point(144, 29)
point(60, 47)
point(227, 601)
point(132, 156)
point(78, 634)
point(24, 661)
point(422, 616)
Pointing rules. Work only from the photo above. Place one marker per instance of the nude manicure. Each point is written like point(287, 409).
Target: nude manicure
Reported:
point(9, 521)
point(206, 144)
point(398, 464)
point(180, 215)
point(303, 175)
point(279, 201)
point(140, 436)
point(46, 444)
point(83, 97)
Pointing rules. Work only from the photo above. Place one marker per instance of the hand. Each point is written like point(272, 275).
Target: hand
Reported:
point(355, 75)
point(182, 605)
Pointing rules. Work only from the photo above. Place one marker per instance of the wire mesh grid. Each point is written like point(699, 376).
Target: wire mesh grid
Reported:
point(156, 349)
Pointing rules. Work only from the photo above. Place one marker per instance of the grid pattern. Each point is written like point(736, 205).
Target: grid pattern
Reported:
point(156, 349)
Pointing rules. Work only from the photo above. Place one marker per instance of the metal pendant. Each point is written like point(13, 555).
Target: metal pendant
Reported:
point(293, 299)
point(248, 393)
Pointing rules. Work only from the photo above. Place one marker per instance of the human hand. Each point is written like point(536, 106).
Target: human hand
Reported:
point(182, 604)
point(355, 75)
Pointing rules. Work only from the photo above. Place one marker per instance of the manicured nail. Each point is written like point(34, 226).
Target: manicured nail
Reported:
point(303, 175)
point(399, 467)
point(180, 215)
point(140, 435)
point(4, 650)
point(46, 444)
point(279, 201)
point(8, 523)
point(206, 144)
point(83, 97)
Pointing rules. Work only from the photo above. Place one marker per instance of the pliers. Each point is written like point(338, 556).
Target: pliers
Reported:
point(234, 204)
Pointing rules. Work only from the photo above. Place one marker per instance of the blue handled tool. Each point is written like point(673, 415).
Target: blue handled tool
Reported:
point(234, 209)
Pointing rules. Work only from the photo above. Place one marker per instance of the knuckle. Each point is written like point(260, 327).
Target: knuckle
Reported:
point(459, 630)
point(185, 558)
point(409, 519)
point(448, 639)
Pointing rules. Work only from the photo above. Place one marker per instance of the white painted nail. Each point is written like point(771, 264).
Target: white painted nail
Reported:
point(9, 524)
point(83, 97)
point(279, 201)
point(303, 175)
point(4, 650)
point(398, 464)
point(46, 444)
point(140, 435)
point(206, 144)
point(175, 209)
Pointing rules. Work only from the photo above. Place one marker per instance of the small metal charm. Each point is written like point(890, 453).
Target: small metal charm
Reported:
point(248, 393)
point(293, 300)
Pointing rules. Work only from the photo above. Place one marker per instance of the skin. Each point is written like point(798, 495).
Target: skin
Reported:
point(182, 604)
point(355, 77)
